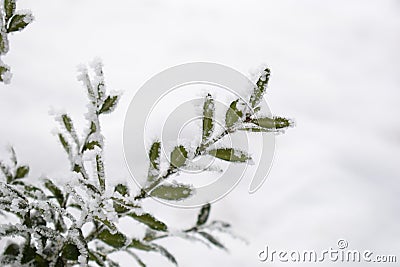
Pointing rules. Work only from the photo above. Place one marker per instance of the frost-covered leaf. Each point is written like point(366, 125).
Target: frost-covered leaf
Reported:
point(267, 124)
point(13, 156)
point(9, 8)
point(122, 189)
point(136, 257)
point(100, 173)
point(57, 193)
point(5, 74)
point(212, 240)
point(59, 262)
point(91, 145)
point(19, 21)
point(166, 254)
point(150, 221)
point(117, 240)
point(37, 219)
point(90, 187)
point(261, 87)
point(141, 245)
point(12, 250)
point(233, 114)
point(11, 190)
point(33, 191)
point(172, 192)
point(230, 154)
point(208, 117)
point(107, 223)
point(112, 263)
point(257, 129)
point(203, 214)
point(60, 224)
point(70, 252)
point(98, 258)
point(109, 104)
point(178, 156)
point(154, 155)
point(122, 206)
point(28, 254)
point(64, 143)
point(22, 172)
point(4, 47)
point(67, 123)
point(6, 171)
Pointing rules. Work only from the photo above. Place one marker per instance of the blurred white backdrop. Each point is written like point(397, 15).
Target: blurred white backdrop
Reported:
point(335, 69)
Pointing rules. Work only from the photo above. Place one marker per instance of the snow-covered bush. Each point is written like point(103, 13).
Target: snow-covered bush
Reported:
point(48, 218)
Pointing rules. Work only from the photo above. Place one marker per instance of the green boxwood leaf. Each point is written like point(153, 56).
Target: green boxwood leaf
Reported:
point(261, 87)
point(64, 143)
point(9, 8)
point(178, 156)
point(67, 123)
point(212, 240)
point(138, 260)
point(208, 117)
point(233, 114)
point(91, 145)
point(12, 250)
point(28, 254)
point(229, 154)
point(98, 258)
point(150, 221)
point(172, 192)
point(57, 193)
point(90, 187)
point(3, 50)
point(59, 262)
point(117, 240)
point(264, 122)
point(6, 171)
point(106, 222)
point(122, 189)
point(109, 104)
point(203, 214)
point(70, 252)
point(141, 245)
point(257, 129)
point(166, 254)
point(5, 74)
point(154, 155)
point(19, 22)
point(272, 123)
point(22, 171)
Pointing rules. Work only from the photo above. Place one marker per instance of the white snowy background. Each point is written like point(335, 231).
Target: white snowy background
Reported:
point(335, 69)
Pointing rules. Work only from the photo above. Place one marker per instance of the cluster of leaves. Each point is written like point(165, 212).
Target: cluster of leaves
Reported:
point(50, 217)
point(241, 115)
point(10, 21)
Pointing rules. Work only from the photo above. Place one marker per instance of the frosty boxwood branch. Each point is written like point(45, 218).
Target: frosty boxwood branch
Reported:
point(11, 21)
point(51, 216)
point(239, 117)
